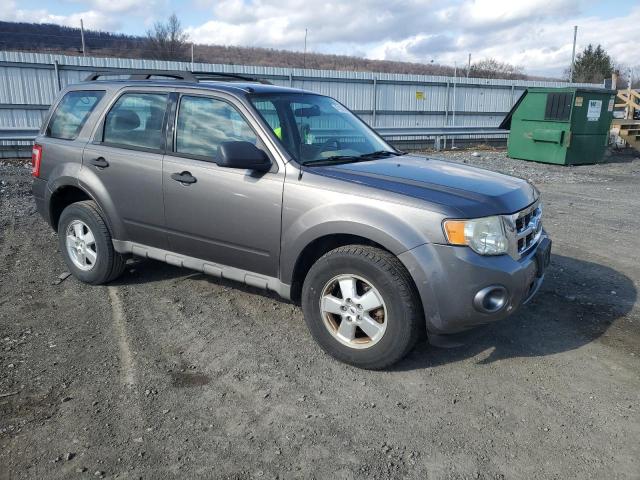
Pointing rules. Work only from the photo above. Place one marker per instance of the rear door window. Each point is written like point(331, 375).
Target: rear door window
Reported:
point(136, 121)
point(71, 113)
point(205, 122)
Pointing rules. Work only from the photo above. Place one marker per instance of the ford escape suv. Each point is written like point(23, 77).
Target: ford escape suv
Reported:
point(289, 191)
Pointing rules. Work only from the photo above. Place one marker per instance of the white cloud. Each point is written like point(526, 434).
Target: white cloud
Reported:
point(117, 6)
point(536, 34)
point(106, 15)
point(93, 19)
point(281, 24)
point(499, 12)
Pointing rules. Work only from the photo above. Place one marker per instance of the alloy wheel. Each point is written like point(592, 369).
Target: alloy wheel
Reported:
point(81, 245)
point(353, 311)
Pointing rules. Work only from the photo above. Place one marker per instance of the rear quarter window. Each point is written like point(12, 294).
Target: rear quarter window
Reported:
point(71, 113)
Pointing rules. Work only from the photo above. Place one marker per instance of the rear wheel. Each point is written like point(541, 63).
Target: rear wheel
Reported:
point(361, 307)
point(85, 243)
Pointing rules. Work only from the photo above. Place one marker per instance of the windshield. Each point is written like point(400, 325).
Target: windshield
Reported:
point(318, 130)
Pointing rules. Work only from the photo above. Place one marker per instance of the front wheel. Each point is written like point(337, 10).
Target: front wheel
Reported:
point(361, 306)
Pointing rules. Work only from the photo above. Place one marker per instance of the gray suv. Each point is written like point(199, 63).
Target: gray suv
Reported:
point(289, 191)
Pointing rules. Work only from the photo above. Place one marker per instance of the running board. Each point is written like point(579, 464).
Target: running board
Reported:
point(204, 266)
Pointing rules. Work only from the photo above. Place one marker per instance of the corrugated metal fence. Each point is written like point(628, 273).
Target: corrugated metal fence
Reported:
point(29, 83)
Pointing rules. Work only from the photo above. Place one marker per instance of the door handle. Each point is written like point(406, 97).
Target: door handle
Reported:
point(184, 177)
point(99, 162)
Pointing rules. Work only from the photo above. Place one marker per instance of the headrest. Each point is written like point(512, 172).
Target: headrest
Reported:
point(125, 119)
point(154, 122)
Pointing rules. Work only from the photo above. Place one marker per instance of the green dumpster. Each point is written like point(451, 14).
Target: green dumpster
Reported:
point(567, 126)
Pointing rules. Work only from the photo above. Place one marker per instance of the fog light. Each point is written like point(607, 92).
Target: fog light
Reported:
point(490, 299)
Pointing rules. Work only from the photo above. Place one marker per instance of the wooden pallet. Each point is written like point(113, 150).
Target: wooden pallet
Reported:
point(628, 130)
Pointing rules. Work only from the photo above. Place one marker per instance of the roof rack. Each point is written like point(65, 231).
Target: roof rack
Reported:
point(231, 76)
point(182, 75)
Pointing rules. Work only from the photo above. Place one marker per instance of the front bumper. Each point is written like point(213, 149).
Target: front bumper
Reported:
point(448, 279)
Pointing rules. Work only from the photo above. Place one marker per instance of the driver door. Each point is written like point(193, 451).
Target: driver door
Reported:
point(227, 216)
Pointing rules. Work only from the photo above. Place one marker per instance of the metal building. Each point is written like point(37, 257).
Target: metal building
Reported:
point(399, 106)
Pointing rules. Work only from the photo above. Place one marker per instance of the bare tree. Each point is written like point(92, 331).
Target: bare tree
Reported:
point(167, 40)
point(492, 68)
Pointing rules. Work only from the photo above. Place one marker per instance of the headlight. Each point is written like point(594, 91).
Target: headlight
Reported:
point(485, 236)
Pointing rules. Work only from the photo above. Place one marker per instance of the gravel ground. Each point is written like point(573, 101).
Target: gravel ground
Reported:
point(171, 374)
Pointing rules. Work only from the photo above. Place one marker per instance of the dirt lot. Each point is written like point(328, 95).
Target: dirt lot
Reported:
point(171, 374)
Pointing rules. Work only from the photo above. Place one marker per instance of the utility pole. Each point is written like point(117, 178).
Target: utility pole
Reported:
point(304, 57)
point(469, 65)
point(84, 50)
point(573, 53)
point(192, 56)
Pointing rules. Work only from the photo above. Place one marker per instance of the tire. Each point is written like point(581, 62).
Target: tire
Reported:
point(98, 263)
point(401, 322)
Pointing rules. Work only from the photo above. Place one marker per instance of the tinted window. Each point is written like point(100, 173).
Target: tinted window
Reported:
point(71, 113)
point(136, 120)
point(204, 123)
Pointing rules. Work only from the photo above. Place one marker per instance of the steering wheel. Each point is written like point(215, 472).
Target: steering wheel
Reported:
point(331, 140)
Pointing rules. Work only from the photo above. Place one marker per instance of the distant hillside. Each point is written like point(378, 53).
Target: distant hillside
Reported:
point(56, 38)
point(52, 38)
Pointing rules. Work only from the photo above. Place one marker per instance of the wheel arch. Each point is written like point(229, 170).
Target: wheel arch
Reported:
point(321, 245)
point(61, 198)
point(68, 193)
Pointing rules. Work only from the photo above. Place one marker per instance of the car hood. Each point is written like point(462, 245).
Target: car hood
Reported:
point(471, 191)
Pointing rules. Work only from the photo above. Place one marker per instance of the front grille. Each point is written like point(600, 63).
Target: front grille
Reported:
point(527, 229)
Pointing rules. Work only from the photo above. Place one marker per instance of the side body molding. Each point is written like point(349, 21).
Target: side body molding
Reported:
point(204, 266)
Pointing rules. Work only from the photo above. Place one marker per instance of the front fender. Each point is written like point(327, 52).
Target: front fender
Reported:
point(380, 223)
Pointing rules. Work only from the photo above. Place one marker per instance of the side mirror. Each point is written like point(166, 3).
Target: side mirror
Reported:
point(243, 155)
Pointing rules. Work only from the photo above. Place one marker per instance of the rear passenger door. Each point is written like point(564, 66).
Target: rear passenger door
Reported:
point(229, 216)
point(126, 159)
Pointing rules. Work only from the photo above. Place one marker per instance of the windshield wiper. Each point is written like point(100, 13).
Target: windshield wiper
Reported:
point(380, 154)
point(335, 159)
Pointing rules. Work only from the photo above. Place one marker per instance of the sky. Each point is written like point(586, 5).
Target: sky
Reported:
point(535, 34)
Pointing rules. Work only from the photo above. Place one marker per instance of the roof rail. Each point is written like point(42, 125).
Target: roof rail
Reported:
point(183, 75)
point(142, 74)
point(231, 76)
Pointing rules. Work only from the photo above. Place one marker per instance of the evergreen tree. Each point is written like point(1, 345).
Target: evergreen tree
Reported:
point(593, 65)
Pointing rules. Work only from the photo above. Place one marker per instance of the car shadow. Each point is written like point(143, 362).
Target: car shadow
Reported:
point(145, 270)
point(576, 304)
